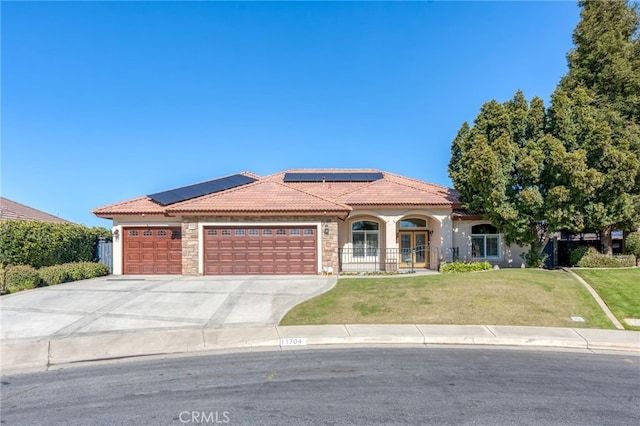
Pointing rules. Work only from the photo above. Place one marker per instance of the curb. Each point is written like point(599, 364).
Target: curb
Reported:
point(46, 353)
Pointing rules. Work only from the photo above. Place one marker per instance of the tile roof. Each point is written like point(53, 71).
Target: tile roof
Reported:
point(270, 194)
point(258, 197)
point(11, 210)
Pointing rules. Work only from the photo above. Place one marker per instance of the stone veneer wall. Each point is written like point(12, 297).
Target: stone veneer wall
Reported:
point(330, 245)
point(190, 243)
point(190, 248)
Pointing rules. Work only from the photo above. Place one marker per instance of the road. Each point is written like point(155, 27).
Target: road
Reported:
point(364, 386)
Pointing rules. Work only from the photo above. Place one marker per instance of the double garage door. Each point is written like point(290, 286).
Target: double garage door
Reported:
point(260, 250)
point(227, 250)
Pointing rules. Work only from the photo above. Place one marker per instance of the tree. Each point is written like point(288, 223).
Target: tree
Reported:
point(595, 113)
point(606, 57)
point(497, 167)
point(632, 245)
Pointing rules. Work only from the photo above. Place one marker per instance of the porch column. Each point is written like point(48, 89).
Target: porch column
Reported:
point(390, 242)
point(446, 237)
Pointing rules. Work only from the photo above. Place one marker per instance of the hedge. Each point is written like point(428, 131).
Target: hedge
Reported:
point(23, 277)
point(466, 267)
point(593, 259)
point(20, 277)
point(43, 243)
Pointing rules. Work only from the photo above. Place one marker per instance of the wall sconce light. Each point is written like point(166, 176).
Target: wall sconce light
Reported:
point(326, 230)
point(116, 234)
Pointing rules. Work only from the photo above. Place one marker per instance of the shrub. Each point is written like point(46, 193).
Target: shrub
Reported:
point(92, 269)
point(576, 254)
point(19, 277)
point(52, 275)
point(58, 274)
point(44, 244)
point(632, 244)
point(466, 267)
point(534, 259)
point(593, 259)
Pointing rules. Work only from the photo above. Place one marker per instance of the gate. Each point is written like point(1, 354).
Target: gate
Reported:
point(104, 253)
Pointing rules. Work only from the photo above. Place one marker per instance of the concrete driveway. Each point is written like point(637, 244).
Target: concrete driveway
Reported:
point(119, 304)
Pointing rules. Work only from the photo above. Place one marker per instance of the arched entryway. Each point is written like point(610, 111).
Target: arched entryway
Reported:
point(413, 242)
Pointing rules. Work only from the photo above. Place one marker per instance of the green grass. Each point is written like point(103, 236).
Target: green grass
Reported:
point(619, 288)
point(504, 297)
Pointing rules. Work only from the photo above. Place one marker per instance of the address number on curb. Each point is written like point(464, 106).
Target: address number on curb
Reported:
point(293, 341)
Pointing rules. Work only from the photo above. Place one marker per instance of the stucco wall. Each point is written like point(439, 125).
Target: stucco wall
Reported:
point(510, 256)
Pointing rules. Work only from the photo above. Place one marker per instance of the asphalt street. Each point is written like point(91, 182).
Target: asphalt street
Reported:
point(363, 386)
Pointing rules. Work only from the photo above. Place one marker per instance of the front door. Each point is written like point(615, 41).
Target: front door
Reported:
point(414, 249)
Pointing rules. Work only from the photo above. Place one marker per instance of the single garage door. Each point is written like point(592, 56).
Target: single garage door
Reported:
point(260, 250)
point(152, 250)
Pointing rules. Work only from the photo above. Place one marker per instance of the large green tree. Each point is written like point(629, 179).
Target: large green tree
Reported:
point(574, 166)
point(497, 166)
point(595, 111)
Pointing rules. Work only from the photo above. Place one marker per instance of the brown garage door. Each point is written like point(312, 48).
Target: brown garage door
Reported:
point(152, 250)
point(260, 250)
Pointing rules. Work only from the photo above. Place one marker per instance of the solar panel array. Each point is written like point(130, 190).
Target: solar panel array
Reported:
point(199, 189)
point(333, 177)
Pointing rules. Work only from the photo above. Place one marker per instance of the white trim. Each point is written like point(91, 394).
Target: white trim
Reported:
point(202, 225)
point(485, 257)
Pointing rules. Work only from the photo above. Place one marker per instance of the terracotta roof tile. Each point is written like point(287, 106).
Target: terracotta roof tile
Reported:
point(135, 206)
point(270, 194)
point(261, 196)
point(11, 210)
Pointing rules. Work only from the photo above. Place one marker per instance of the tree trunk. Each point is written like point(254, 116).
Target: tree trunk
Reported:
point(607, 241)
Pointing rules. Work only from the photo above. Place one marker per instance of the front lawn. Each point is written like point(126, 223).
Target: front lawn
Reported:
point(619, 288)
point(506, 297)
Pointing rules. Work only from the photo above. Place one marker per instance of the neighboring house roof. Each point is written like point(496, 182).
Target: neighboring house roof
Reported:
point(11, 210)
point(272, 195)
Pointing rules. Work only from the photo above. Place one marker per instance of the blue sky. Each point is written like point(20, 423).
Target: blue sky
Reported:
point(105, 101)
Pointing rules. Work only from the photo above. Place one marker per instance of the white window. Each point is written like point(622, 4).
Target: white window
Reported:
point(364, 236)
point(267, 232)
point(239, 232)
point(253, 232)
point(294, 232)
point(485, 242)
point(212, 232)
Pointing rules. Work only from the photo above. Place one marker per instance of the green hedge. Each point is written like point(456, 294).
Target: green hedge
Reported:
point(58, 274)
point(593, 259)
point(43, 243)
point(23, 277)
point(20, 277)
point(465, 267)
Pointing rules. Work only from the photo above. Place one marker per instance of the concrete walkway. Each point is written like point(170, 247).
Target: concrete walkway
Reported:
point(119, 317)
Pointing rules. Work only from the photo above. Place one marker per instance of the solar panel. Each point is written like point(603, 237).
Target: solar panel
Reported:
point(184, 193)
point(333, 177)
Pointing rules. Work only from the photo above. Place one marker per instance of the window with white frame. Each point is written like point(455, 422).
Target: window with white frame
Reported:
point(364, 236)
point(485, 242)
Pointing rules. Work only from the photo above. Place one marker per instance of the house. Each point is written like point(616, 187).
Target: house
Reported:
point(303, 221)
point(11, 210)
